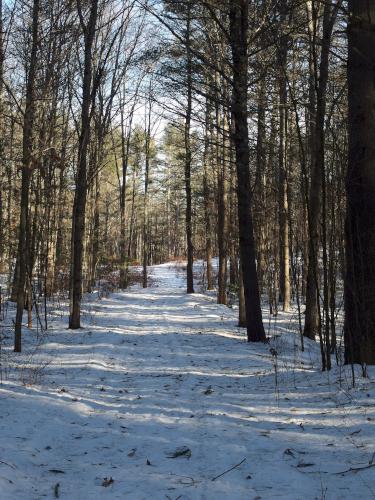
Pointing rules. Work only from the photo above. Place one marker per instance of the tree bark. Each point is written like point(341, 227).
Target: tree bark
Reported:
point(283, 166)
point(27, 145)
point(188, 159)
point(145, 228)
point(360, 187)
point(222, 206)
point(241, 301)
point(207, 194)
point(312, 321)
point(238, 40)
point(125, 148)
point(79, 207)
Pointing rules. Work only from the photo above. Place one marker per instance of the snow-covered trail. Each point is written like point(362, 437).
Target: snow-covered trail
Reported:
point(155, 370)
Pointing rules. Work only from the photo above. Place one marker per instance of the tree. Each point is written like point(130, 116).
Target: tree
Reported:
point(320, 79)
point(360, 187)
point(239, 41)
point(79, 208)
point(27, 168)
point(188, 154)
point(283, 162)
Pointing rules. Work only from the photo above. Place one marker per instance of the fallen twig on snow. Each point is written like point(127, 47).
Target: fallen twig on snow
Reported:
point(226, 471)
point(352, 469)
point(9, 465)
point(356, 469)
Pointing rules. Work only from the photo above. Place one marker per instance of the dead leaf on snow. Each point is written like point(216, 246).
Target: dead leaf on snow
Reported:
point(107, 482)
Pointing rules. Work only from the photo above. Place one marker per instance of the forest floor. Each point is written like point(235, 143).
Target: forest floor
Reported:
point(159, 396)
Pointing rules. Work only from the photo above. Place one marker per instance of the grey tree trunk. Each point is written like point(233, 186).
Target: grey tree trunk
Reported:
point(145, 257)
point(283, 166)
point(222, 206)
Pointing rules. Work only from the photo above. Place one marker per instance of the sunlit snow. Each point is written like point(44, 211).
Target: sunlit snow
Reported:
point(155, 370)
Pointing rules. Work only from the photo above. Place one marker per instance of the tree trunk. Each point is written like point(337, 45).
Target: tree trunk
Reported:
point(222, 206)
point(283, 167)
point(145, 228)
point(125, 147)
point(95, 247)
point(360, 220)
point(260, 186)
point(188, 160)
point(79, 207)
point(238, 38)
point(207, 195)
point(241, 301)
point(312, 321)
point(24, 230)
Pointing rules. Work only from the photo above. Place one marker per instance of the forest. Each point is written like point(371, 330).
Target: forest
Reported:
point(187, 195)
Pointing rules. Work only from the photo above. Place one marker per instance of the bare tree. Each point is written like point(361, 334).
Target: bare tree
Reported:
point(79, 208)
point(27, 169)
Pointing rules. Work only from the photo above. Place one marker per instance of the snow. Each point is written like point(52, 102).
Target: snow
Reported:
point(99, 413)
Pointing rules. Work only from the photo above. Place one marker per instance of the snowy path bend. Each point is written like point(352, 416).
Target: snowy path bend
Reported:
point(155, 370)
